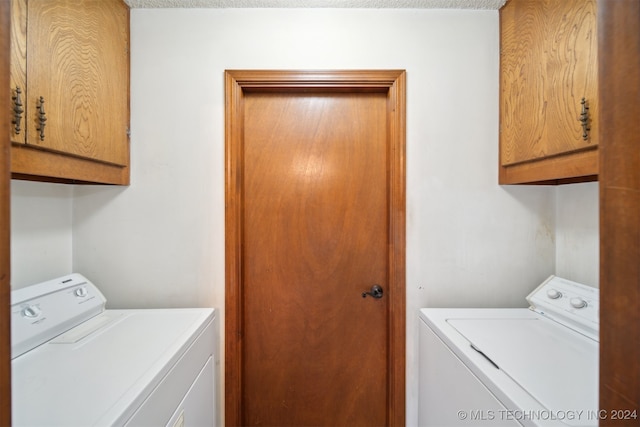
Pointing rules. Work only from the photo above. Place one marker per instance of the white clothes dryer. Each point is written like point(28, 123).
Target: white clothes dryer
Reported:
point(76, 364)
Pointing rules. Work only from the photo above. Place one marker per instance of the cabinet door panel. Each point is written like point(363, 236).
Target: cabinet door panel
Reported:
point(548, 64)
point(572, 72)
point(523, 81)
point(73, 63)
point(18, 64)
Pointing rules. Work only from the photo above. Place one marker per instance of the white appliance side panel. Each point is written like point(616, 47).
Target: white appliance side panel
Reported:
point(195, 410)
point(160, 406)
point(449, 393)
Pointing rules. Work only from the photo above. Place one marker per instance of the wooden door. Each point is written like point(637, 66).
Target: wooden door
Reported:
point(315, 200)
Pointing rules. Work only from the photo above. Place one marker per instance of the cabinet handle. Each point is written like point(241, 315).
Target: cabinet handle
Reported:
point(17, 111)
point(42, 117)
point(584, 119)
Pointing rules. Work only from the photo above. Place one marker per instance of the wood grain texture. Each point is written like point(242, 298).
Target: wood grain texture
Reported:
point(33, 164)
point(522, 82)
point(314, 237)
point(77, 60)
point(75, 54)
point(579, 167)
point(548, 63)
point(393, 84)
point(619, 73)
point(572, 70)
point(5, 216)
point(19, 62)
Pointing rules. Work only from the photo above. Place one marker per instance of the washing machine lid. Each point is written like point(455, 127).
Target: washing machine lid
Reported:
point(101, 371)
point(557, 366)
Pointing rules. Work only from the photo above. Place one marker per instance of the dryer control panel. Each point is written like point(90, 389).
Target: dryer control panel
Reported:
point(573, 304)
point(46, 310)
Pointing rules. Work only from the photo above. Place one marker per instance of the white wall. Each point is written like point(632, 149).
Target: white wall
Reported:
point(41, 224)
point(577, 233)
point(160, 241)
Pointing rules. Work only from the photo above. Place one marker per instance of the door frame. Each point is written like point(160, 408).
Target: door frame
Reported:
point(237, 83)
point(5, 217)
point(619, 87)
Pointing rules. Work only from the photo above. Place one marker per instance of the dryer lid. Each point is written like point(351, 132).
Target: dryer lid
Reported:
point(101, 371)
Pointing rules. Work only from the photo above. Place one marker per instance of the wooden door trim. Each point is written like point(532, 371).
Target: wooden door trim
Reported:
point(5, 214)
point(393, 83)
point(619, 87)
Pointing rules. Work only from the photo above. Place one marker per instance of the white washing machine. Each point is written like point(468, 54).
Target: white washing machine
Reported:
point(76, 364)
point(513, 367)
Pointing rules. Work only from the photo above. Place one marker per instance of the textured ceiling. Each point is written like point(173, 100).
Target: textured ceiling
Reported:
point(358, 4)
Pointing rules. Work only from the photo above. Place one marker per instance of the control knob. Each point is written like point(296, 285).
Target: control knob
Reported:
point(577, 302)
point(554, 293)
point(31, 311)
point(80, 292)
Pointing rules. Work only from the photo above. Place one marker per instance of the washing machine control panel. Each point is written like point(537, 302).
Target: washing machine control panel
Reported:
point(45, 310)
point(573, 304)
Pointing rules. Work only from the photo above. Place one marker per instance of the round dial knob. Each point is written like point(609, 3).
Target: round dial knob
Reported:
point(31, 311)
point(80, 292)
point(554, 293)
point(577, 302)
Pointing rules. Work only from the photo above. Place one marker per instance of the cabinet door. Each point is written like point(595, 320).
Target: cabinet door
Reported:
point(77, 61)
point(18, 76)
point(572, 65)
point(548, 64)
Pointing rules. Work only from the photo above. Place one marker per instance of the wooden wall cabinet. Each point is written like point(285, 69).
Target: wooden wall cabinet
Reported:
point(74, 56)
point(548, 64)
